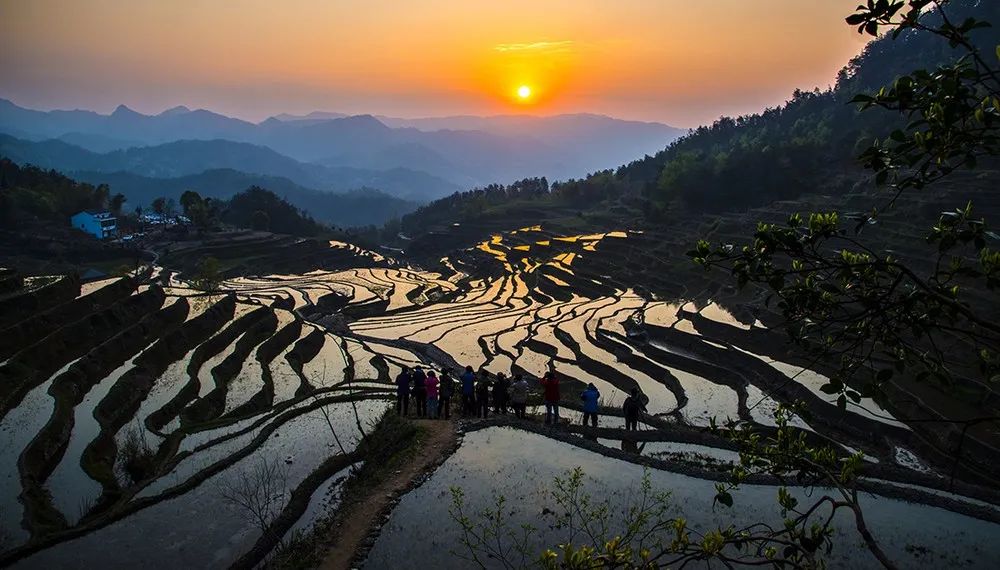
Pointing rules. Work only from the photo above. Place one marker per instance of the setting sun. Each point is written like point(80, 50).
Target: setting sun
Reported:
point(524, 92)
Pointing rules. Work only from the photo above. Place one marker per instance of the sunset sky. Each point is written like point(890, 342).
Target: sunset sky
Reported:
point(677, 61)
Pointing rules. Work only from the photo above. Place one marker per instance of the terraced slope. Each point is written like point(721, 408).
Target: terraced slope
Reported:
point(651, 263)
point(128, 397)
point(127, 405)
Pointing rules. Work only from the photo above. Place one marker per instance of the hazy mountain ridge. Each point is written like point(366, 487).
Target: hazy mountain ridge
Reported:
point(502, 148)
point(190, 157)
point(314, 116)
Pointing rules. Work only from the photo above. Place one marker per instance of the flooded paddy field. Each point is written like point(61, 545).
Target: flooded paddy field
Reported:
point(128, 407)
point(521, 465)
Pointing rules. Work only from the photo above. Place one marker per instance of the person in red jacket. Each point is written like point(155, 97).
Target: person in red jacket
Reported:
point(550, 384)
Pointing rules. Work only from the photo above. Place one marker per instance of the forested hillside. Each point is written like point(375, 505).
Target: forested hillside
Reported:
point(262, 209)
point(472, 203)
point(32, 193)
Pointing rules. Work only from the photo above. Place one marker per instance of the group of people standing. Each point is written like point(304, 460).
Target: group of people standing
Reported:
point(504, 394)
point(432, 396)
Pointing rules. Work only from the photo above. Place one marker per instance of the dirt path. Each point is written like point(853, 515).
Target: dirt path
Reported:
point(362, 518)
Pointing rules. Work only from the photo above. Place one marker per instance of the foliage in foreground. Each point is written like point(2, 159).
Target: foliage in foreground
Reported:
point(881, 316)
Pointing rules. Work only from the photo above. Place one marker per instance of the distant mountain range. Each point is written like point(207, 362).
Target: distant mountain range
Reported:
point(344, 170)
point(466, 151)
point(189, 157)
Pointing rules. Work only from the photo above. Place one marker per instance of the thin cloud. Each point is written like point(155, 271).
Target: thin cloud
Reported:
point(560, 46)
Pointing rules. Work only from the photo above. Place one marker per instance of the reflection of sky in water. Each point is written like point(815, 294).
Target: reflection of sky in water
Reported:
point(521, 465)
point(198, 529)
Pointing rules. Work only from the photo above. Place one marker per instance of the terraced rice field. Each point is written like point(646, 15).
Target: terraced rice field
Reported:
point(126, 407)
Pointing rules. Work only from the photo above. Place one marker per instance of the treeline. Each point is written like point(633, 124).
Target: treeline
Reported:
point(254, 208)
point(357, 207)
point(29, 193)
point(470, 204)
point(262, 209)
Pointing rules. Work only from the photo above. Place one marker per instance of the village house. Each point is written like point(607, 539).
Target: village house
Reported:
point(101, 224)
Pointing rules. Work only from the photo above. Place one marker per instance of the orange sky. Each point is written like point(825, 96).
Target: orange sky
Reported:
point(677, 61)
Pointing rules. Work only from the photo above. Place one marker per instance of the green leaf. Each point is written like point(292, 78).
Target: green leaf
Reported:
point(998, 52)
point(855, 19)
point(725, 498)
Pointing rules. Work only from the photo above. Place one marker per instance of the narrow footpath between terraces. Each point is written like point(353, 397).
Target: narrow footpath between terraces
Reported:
point(363, 517)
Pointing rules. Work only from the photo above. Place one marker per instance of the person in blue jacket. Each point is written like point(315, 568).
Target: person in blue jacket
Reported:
point(468, 392)
point(590, 398)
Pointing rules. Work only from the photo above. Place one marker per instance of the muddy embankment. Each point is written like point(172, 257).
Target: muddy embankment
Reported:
point(297, 504)
point(939, 443)
point(128, 503)
point(211, 406)
point(24, 305)
point(304, 350)
point(44, 452)
point(268, 350)
point(124, 398)
point(43, 323)
point(206, 350)
point(37, 362)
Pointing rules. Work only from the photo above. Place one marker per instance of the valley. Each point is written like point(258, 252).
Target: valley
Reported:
point(295, 365)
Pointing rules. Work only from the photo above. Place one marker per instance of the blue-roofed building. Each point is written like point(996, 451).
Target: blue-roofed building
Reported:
point(102, 225)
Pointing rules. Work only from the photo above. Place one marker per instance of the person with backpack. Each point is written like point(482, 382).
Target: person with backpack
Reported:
point(420, 391)
point(483, 396)
point(468, 392)
point(447, 391)
point(590, 398)
point(519, 396)
point(403, 392)
point(432, 395)
point(632, 407)
point(500, 395)
point(550, 394)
